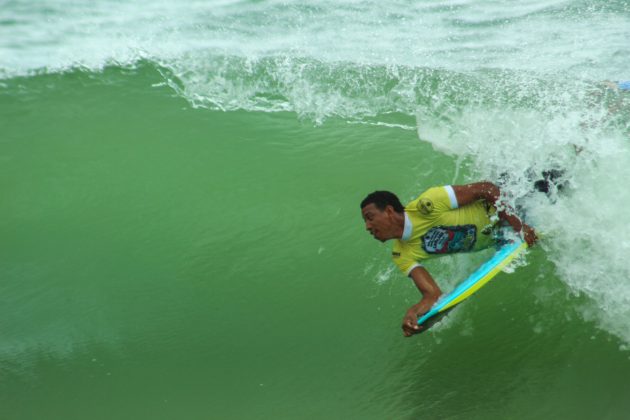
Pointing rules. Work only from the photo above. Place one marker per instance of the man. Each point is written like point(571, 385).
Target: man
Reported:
point(442, 220)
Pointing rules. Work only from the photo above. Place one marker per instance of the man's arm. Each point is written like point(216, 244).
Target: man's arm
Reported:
point(430, 294)
point(489, 192)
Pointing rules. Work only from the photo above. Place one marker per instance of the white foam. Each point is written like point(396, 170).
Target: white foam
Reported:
point(586, 227)
point(459, 36)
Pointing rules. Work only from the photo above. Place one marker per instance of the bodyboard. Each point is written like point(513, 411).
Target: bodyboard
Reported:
point(486, 272)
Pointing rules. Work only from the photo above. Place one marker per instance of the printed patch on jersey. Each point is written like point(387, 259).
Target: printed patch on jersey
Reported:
point(449, 239)
point(425, 206)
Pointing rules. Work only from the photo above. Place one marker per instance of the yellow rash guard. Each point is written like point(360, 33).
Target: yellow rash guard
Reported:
point(435, 225)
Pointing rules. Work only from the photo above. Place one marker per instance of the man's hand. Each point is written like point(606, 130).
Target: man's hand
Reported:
point(529, 234)
point(430, 294)
point(410, 321)
point(410, 324)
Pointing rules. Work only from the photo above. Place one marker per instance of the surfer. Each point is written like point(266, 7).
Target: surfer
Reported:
point(442, 220)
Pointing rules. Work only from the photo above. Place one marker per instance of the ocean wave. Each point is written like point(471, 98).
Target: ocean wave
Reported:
point(490, 120)
point(536, 36)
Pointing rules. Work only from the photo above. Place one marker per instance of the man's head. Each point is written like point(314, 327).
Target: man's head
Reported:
point(383, 215)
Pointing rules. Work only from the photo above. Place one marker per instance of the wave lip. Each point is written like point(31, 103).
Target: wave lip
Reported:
point(459, 36)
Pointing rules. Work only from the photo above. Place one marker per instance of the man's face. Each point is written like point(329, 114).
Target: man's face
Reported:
point(380, 223)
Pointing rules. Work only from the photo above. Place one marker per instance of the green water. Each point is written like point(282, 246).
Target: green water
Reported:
point(180, 232)
point(160, 261)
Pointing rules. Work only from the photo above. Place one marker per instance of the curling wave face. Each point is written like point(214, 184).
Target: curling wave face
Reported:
point(116, 148)
point(481, 82)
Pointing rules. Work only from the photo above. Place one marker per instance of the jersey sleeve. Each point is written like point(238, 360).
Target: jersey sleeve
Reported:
point(403, 260)
point(437, 200)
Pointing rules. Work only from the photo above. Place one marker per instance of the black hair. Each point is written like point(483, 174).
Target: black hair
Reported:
point(382, 199)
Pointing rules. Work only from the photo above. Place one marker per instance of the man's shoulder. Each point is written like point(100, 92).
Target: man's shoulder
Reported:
point(438, 191)
point(403, 256)
point(398, 244)
point(430, 201)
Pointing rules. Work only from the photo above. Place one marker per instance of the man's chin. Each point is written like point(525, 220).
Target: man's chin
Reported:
point(380, 238)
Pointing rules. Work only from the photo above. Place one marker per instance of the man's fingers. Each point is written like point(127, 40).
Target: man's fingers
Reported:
point(407, 327)
point(410, 327)
point(530, 235)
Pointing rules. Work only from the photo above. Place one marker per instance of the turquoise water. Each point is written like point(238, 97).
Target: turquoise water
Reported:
point(180, 234)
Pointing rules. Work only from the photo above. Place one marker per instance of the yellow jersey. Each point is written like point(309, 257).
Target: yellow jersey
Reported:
point(435, 225)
